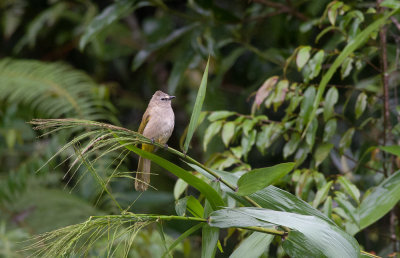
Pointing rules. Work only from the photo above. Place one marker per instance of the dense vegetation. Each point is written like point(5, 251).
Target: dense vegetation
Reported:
point(286, 133)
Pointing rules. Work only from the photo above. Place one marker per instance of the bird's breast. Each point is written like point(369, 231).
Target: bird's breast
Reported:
point(160, 125)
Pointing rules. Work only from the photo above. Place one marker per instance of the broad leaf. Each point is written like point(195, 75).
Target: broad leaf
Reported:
point(253, 246)
point(318, 236)
point(227, 132)
point(291, 145)
point(361, 104)
point(393, 149)
point(322, 194)
point(211, 131)
point(346, 140)
point(349, 188)
point(322, 152)
point(302, 56)
point(329, 130)
point(380, 201)
point(260, 178)
point(331, 98)
point(217, 115)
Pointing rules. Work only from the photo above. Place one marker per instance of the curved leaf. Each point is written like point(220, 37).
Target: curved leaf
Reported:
point(380, 201)
point(318, 236)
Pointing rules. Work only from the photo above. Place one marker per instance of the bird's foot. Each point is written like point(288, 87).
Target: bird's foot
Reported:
point(165, 146)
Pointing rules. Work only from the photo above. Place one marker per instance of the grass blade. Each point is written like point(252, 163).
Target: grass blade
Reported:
point(197, 109)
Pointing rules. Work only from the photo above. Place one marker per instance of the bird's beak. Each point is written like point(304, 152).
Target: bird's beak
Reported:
point(171, 97)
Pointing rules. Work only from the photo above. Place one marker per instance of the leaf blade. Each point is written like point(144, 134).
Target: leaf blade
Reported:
point(197, 108)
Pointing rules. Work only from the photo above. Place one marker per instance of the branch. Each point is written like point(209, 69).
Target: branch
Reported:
point(283, 8)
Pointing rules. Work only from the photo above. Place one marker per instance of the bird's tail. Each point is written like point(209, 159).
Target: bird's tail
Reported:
point(143, 175)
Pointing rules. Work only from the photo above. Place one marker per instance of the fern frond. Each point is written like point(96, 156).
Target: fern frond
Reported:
point(54, 89)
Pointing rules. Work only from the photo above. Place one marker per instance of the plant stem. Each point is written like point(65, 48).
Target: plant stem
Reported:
point(386, 115)
point(138, 217)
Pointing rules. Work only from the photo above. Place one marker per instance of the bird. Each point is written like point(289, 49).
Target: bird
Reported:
point(157, 124)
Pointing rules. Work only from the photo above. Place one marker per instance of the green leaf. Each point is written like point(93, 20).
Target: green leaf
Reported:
point(270, 197)
point(280, 93)
point(248, 125)
point(317, 236)
point(183, 236)
point(361, 104)
point(329, 130)
point(380, 201)
point(179, 188)
point(302, 56)
point(142, 55)
point(312, 130)
point(394, 149)
point(327, 209)
point(201, 94)
point(109, 15)
point(263, 137)
point(331, 99)
point(394, 4)
point(227, 132)
point(314, 66)
point(352, 226)
point(349, 188)
point(346, 140)
point(347, 66)
point(211, 131)
point(253, 246)
point(278, 199)
point(359, 40)
point(178, 70)
point(209, 235)
point(332, 12)
point(306, 107)
point(291, 145)
point(217, 115)
point(268, 134)
point(321, 152)
point(248, 142)
point(215, 199)
point(302, 153)
point(322, 194)
point(194, 207)
point(260, 178)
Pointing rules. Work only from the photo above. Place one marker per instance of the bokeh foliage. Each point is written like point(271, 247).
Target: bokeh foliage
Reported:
point(309, 82)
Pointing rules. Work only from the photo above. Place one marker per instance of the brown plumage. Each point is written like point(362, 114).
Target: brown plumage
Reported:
point(157, 124)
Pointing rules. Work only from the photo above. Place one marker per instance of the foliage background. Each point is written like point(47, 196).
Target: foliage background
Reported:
point(108, 58)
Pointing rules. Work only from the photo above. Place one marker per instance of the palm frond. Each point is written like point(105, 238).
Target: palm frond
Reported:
point(54, 89)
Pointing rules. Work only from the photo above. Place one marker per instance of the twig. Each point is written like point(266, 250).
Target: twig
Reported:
point(284, 8)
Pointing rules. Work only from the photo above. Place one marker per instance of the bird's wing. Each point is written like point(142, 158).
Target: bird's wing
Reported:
point(145, 120)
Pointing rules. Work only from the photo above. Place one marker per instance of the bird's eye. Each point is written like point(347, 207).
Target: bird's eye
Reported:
point(163, 98)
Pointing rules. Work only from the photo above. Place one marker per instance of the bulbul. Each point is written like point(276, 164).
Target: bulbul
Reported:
point(157, 124)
